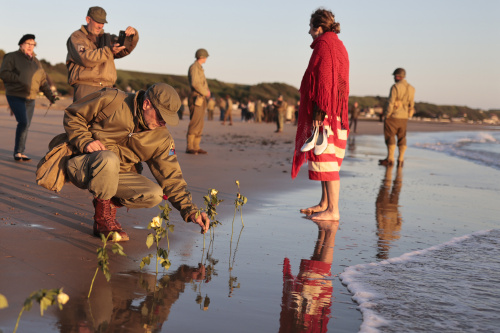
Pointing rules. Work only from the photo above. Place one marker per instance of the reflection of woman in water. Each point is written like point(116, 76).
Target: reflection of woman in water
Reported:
point(307, 297)
point(324, 94)
point(389, 219)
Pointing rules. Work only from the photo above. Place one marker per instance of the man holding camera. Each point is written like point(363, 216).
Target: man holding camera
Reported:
point(91, 54)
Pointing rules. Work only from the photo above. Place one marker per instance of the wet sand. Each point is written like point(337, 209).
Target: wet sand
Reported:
point(46, 241)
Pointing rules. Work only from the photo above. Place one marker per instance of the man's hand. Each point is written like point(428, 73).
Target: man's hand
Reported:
point(117, 48)
point(94, 146)
point(129, 31)
point(202, 219)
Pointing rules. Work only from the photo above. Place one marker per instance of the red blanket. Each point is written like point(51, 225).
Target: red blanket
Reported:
point(326, 84)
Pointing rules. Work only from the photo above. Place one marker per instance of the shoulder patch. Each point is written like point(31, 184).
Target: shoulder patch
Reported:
point(80, 48)
point(171, 151)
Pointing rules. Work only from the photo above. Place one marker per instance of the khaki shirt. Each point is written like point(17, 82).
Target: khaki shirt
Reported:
point(116, 132)
point(93, 63)
point(197, 81)
point(23, 76)
point(401, 102)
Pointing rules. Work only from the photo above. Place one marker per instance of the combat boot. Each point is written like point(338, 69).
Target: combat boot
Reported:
point(104, 219)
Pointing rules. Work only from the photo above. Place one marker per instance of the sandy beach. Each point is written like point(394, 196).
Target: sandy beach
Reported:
point(46, 241)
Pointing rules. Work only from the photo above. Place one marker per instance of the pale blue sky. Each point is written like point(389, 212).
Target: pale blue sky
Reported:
point(450, 48)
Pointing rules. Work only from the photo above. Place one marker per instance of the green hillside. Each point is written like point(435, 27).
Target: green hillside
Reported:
point(241, 92)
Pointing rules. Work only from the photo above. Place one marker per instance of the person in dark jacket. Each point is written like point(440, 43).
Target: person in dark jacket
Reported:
point(24, 77)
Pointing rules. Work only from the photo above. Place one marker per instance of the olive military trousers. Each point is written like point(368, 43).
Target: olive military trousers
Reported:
point(99, 172)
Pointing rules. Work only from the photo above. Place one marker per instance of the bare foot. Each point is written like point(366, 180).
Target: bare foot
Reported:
point(325, 216)
point(312, 210)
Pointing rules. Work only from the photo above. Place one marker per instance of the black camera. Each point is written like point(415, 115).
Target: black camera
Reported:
point(121, 38)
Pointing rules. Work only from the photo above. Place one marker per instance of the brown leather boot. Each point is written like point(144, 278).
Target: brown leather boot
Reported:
point(104, 219)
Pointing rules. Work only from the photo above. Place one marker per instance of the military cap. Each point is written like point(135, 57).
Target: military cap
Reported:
point(166, 100)
point(201, 53)
point(98, 14)
point(400, 72)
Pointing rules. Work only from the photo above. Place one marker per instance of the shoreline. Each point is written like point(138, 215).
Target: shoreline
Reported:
point(251, 153)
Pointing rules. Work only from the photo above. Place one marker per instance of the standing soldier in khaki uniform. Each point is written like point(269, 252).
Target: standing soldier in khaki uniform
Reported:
point(280, 108)
point(111, 131)
point(229, 111)
point(92, 53)
point(211, 108)
point(197, 102)
point(400, 107)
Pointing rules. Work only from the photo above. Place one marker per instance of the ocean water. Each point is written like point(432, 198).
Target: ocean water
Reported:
point(479, 147)
point(450, 287)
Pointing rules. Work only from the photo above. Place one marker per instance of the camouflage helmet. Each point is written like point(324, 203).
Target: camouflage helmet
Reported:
point(201, 53)
point(400, 72)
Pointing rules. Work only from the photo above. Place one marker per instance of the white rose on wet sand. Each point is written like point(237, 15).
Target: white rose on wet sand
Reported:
point(155, 222)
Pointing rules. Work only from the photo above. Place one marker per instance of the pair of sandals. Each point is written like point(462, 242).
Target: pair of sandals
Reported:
point(317, 141)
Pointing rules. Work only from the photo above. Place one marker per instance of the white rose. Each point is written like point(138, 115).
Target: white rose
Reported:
point(155, 222)
point(116, 237)
point(62, 298)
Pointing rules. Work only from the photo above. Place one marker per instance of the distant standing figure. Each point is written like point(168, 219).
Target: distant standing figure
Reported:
point(24, 77)
point(211, 108)
point(280, 108)
point(184, 107)
point(197, 102)
point(229, 111)
point(324, 95)
point(258, 111)
point(92, 53)
point(354, 116)
point(222, 108)
point(400, 107)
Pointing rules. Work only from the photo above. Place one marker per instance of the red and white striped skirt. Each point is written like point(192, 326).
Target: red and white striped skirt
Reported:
point(326, 167)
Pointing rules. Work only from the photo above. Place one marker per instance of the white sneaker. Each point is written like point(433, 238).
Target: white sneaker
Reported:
point(311, 141)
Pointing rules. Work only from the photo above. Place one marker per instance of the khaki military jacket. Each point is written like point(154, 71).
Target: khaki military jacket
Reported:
point(23, 76)
point(401, 104)
point(93, 63)
point(83, 124)
point(197, 80)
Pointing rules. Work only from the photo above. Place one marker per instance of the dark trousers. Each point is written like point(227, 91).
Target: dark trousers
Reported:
point(23, 110)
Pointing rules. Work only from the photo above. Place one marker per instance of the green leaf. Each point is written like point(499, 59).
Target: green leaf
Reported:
point(3, 302)
point(45, 302)
point(150, 240)
point(171, 228)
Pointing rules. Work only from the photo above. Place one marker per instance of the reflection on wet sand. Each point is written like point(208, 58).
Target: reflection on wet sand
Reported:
point(387, 213)
point(307, 298)
point(119, 307)
point(141, 302)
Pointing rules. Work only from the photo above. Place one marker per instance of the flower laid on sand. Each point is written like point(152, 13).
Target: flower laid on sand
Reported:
point(103, 258)
point(3, 302)
point(160, 232)
point(46, 298)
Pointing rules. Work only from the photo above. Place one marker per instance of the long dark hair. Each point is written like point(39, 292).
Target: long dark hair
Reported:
point(325, 19)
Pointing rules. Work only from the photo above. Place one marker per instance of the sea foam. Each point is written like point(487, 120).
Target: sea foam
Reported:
point(451, 287)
